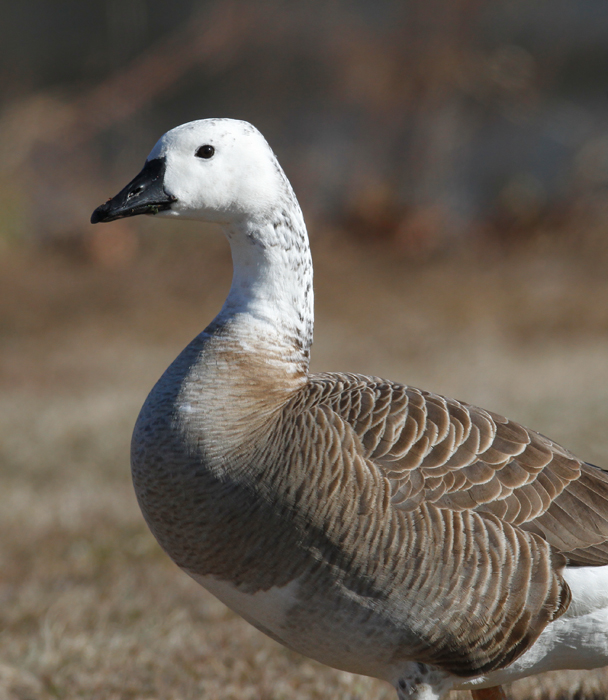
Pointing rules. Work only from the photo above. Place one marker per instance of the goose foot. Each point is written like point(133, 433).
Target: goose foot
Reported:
point(419, 681)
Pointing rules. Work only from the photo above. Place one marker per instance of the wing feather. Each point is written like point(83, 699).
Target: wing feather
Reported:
point(470, 458)
point(482, 511)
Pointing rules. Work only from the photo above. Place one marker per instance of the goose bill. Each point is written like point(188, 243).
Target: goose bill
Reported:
point(145, 194)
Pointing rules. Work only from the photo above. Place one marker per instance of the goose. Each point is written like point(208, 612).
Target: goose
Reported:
point(375, 527)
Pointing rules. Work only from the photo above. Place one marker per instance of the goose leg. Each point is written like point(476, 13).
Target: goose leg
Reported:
point(495, 693)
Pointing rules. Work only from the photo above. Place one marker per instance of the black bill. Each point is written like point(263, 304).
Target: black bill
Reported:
point(145, 194)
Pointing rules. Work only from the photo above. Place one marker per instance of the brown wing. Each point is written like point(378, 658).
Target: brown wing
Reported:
point(480, 509)
point(460, 457)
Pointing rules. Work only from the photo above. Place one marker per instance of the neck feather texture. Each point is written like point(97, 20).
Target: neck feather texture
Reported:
point(269, 310)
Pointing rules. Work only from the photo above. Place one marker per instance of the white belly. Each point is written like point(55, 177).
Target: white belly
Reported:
point(577, 640)
point(266, 610)
point(338, 638)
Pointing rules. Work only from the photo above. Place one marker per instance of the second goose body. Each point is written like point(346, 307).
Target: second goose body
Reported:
point(375, 527)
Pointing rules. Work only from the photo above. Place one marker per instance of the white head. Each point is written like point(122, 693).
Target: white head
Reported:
point(217, 170)
point(223, 171)
point(220, 170)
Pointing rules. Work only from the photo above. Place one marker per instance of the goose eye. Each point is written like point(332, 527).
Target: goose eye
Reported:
point(205, 152)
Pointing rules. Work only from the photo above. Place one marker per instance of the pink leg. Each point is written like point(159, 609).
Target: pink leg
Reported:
point(495, 693)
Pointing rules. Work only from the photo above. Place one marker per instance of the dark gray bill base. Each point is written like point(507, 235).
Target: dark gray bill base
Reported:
point(145, 194)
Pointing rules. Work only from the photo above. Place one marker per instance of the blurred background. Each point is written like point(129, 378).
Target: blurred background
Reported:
point(415, 125)
point(451, 158)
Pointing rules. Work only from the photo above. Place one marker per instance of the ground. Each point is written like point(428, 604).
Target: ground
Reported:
point(89, 605)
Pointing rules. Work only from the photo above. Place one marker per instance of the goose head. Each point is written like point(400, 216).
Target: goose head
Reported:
point(215, 170)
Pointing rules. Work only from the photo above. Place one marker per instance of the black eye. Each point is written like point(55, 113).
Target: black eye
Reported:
point(205, 152)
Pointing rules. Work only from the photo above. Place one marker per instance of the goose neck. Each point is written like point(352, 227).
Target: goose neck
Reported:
point(269, 309)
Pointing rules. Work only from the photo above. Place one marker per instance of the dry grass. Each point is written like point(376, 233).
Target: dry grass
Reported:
point(90, 606)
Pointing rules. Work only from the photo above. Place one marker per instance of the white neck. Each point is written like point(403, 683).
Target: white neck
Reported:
point(269, 310)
